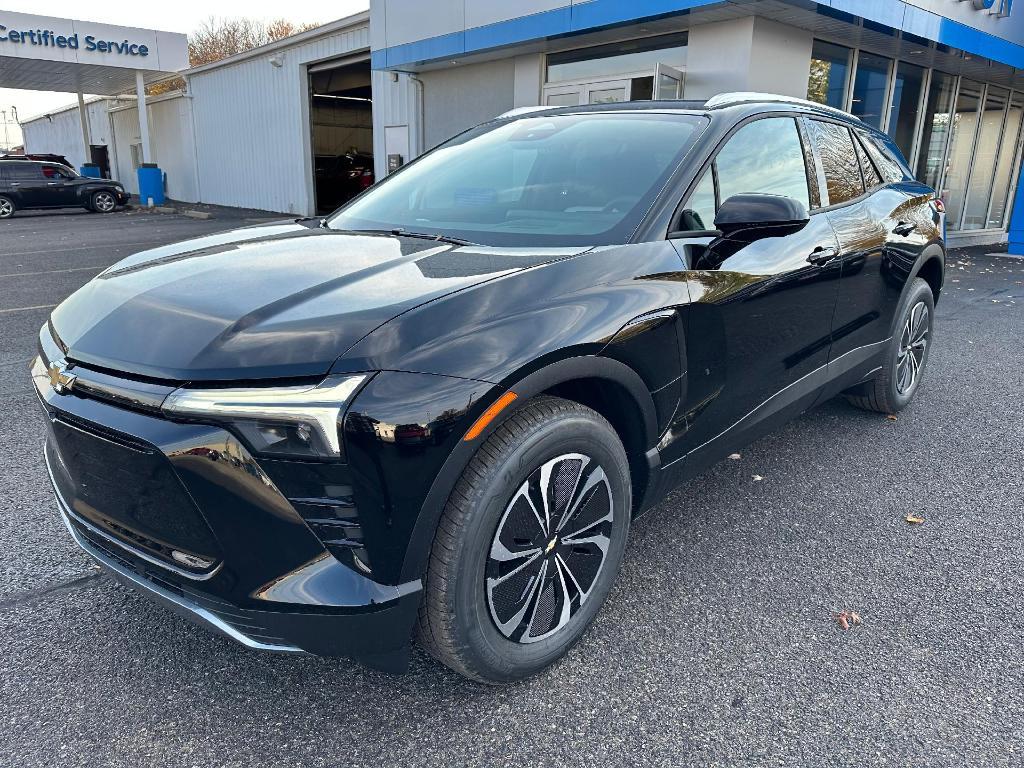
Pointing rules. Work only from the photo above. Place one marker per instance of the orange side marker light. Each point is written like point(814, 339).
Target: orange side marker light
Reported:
point(488, 416)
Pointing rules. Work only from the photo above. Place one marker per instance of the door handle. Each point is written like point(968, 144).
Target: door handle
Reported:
point(52, 183)
point(822, 255)
point(904, 228)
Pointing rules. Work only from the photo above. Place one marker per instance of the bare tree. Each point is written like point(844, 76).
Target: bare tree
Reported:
point(217, 38)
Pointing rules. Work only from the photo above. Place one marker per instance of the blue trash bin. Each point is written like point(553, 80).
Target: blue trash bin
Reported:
point(151, 184)
point(91, 170)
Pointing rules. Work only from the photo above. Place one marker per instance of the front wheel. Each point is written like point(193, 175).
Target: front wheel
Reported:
point(6, 207)
point(103, 202)
point(897, 383)
point(529, 543)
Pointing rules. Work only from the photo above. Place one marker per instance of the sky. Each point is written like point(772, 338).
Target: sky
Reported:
point(177, 16)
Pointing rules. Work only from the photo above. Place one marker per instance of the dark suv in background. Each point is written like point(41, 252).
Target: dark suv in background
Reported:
point(28, 184)
point(438, 412)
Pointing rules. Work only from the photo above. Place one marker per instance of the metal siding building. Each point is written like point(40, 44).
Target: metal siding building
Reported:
point(241, 133)
point(60, 132)
point(251, 117)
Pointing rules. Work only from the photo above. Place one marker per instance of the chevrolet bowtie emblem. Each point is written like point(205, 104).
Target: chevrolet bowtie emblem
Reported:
point(60, 379)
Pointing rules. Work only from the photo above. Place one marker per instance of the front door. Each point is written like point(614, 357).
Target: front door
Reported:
point(759, 324)
point(60, 186)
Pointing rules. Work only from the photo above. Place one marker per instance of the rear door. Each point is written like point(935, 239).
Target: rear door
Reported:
point(867, 212)
point(28, 184)
point(759, 324)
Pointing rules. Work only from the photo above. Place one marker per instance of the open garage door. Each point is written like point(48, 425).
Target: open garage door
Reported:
point(341, 115)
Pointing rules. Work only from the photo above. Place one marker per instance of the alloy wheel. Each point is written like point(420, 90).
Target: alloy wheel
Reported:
point(6, 208)
point(913, 344)
point(104, 202)
point(549, 548)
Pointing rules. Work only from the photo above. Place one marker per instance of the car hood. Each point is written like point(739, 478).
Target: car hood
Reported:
point(277, 301)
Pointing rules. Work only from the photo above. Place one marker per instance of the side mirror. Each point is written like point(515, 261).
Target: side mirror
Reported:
point(754, 216)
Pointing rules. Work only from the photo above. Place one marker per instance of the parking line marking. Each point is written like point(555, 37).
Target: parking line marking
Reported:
point(26, 309)
point(52, 271)
point(88, 248)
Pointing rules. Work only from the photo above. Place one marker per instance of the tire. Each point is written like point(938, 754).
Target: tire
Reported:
point(102, 202)
point(478, 567)
point(7, 207)
point(905, 360)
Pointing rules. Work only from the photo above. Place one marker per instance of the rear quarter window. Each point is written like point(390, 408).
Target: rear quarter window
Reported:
point(885, 158)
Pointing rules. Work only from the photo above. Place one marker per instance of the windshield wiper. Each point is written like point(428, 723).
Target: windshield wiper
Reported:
point(442, 238)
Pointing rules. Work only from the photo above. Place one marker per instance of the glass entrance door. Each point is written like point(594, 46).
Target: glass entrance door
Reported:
point(665, 82)
point(668, 81)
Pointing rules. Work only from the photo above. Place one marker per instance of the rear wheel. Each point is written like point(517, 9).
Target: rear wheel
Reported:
point(897, 383)
point(6, 207)
point(103, 202)
point(528, 545)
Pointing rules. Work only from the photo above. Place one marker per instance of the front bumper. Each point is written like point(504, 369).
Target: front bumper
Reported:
point(134, 488)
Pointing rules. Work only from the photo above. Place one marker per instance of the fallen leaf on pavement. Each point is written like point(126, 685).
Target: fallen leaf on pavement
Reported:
point(847, 619)
point(758, 478)
point(893, 417)
point(916, 519)
point(734, 456)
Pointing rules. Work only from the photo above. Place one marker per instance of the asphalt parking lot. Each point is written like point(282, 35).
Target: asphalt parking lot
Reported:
point(719, 645)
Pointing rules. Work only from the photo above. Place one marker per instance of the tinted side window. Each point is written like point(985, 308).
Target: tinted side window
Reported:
point(839, 160)
point(890, 169)
point(22, 171)
point(871, 176)
point(764, 156)
point(700, 209)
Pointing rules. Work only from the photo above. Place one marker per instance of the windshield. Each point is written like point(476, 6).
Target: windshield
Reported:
point(556, 180)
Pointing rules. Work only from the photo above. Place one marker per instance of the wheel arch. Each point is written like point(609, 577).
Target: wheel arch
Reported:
point(931, 267)
point(608, 386)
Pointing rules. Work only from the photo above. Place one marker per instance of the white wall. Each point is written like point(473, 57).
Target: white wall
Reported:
point(463, 96)
point(252, 125)
point(61, 133)
point(171, 139)
point(747, 54)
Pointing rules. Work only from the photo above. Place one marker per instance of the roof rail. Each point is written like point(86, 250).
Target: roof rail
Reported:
point(742, 97)
point(522, 111)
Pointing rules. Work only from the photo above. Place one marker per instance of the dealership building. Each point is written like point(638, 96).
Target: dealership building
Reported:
point(943, 77)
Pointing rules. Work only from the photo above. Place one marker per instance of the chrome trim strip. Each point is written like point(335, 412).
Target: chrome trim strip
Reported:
point(68, 512)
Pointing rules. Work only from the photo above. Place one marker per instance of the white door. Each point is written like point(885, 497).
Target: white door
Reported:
point(668, 82)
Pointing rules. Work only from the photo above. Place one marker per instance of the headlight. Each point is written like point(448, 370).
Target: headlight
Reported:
point(297, 421)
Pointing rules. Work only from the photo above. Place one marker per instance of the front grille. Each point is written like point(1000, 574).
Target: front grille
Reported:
point(128, 489)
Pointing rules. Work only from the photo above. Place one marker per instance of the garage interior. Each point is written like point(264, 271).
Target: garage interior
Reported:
point(341, 115)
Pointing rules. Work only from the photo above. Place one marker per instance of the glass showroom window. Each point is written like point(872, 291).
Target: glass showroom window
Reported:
point(986, 152)
point(906, 106)
point(617, 58)
point(830, 73)
point(935, 129)
point(1007, 162)
point(870, 88)
point(961, 149)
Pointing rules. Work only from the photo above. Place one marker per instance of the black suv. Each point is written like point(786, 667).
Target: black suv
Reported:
point(26, 184)
point(436, 413)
